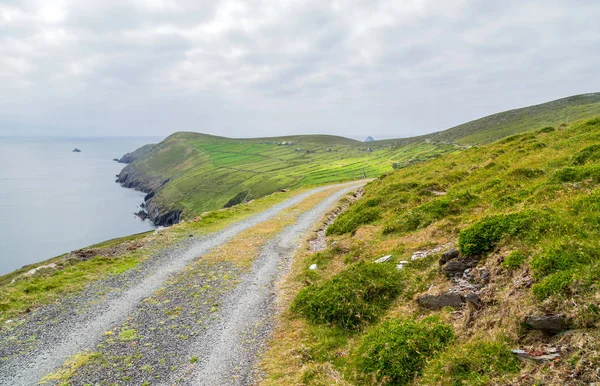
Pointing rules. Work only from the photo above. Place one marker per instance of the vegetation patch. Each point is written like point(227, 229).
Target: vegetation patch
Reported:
point(477, 363)
point(350, 220)
point(514, 260)
point(397, 350)
point(562, 258)
point(351, 299)
point(482, 236)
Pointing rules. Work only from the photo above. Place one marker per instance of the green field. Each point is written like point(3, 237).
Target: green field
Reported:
point(206, 172)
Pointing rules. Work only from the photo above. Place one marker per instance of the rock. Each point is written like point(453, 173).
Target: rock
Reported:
point(40, 268)
point(116, 159)
point(436, 302)
point(190, 235)
point(9, 321)
point(550, 355)
point(474, 299)
point(142, 215)
point(401, 264)
point(313, 267)
point(457, 267)
point(76, 150)
point(449, 255)
point(383, 259)
point(551, 324)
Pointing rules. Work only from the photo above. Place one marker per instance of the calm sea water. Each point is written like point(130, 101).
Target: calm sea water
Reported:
point(53, 201)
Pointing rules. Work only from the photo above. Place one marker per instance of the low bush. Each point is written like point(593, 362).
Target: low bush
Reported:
point(590, 153)
point(576, 174)
point(545, 130)
point(353, 218)
point(514, 260)
point(556, 284)
point(397, 350)
point(351, 299)
point(560, 258)
point(527, 173)
point(477, 363)
point(482, 236)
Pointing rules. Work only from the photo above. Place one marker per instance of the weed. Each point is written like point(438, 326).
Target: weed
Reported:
point(476, 363)
point(128, 334)
point(514, 260)
point(397, 350)
point(351, 299)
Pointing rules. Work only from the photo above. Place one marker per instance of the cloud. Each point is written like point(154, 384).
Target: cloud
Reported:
point(239, 68)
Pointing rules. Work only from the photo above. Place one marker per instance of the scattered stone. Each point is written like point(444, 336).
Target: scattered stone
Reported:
point(457, 267)
point(9, 321)
point(551, 324)
point(190, 235)
point(422, 254)
point(383, 259)
point(401, 264)
point(313, 267)
point(524, 282)
point(449, 255)
point(76, 150)
point(439, 301)
point(549, 355)
point(474, 299)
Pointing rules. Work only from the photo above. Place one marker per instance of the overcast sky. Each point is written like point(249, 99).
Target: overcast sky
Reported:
point(255, 68)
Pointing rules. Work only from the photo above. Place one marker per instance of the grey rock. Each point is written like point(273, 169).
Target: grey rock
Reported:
point(383, 259)
point(313, 267)
point(449, 255)
point(551, 324)
point(474, 299)
point(439, 301)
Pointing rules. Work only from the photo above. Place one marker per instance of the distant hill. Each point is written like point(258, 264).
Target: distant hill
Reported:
point(369, 139)
point(189, 173)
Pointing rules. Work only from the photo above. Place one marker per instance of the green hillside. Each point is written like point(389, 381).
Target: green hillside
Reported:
point(524, 214)
point(190, 173)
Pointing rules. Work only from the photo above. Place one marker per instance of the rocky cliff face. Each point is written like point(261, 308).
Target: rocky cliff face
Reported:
point(142, 152)
point(133, 178)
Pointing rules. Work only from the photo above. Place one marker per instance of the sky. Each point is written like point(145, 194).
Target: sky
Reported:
point(257, 68)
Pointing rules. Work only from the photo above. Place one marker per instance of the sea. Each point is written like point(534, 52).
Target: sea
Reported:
point(54, 200)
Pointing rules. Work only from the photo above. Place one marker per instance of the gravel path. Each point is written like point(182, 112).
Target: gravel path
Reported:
point(59, 331)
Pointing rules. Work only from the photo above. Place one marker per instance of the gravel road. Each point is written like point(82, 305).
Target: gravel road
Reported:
point(228, 341)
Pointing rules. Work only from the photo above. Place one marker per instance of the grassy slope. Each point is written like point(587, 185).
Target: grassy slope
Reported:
point(207, 171)
point(539, 191)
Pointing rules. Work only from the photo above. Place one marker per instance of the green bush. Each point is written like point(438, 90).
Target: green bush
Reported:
point(397, 350)
point(560, 258)
point(527, 173)
point(590, 153)
point(353, 218)
point(351, 299)
point(514, 260)
point(482, 236)
point(477, 363)
point(577, 174)
point(548, 129)
point(556, 284)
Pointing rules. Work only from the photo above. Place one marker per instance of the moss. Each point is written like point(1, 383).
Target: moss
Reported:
point(351, 299)
point(398, 349)
point(475, 363)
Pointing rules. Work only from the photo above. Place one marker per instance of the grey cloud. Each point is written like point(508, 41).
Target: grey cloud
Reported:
point(230, 67)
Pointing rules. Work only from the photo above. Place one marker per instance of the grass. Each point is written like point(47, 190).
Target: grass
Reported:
point(71, 365)
point(525, 207)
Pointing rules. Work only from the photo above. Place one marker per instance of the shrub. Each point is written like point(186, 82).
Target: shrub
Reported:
point(545, 130)
point(352, 298)
point(482, 236)
point(477, 363)
point(555, 284)
point(527, 173)
point(590, 153)
point(560, 258)
point(397, 350)
point(577, 174)
point(350, 220)
point(514, 260)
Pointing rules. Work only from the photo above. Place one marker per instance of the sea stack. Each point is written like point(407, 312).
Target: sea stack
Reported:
point(76, 150)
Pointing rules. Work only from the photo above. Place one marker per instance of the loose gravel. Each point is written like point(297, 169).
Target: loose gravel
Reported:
point(41, 343)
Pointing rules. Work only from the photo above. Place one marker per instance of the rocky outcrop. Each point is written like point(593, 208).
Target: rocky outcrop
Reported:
point(439, 301)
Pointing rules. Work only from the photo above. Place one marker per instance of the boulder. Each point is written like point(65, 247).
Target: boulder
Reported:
point(456, 267)
point(449, 255)
point(383, 259)
point(439, 301)
point(474, 299)
point(551, 324)
point(401, 264)
point(313, 267)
